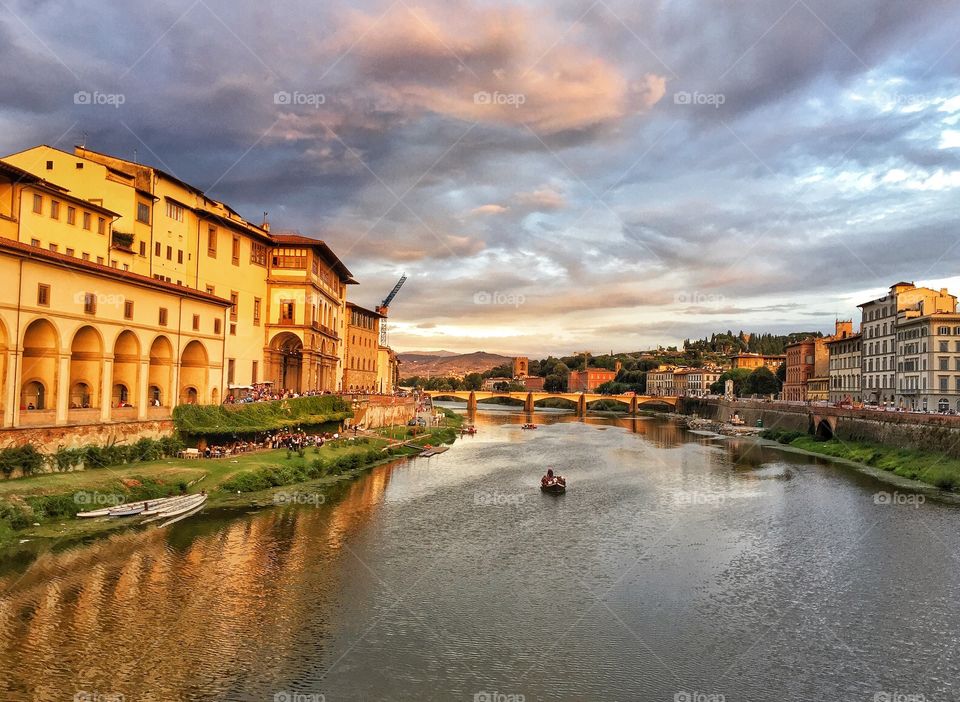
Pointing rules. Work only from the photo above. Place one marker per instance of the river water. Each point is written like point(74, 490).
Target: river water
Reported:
point(677, 567)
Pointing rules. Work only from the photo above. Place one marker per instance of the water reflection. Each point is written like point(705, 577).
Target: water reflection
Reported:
point(675, 562)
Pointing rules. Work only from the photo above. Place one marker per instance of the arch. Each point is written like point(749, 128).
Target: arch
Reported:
point(823, 430)
point(86, 368)
point(159, 377)
point(126, 369)
point(194, 368)
point(215, 396)
point(40, 372)
point(943, 406)
point(617, 400)
point(286, 356)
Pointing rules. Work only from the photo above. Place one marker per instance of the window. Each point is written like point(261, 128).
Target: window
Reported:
point(43, 295)
point(143, 212)
point(210, 290)
point(179, 255)
point(174, 211)
point(143, 248)
point(128, 309)
point(254, 372)
point(196, 322)
point(258, 254)
point(233, 330)
point(71, 215)
point(287, 311)
point(256, 311)
point(163, 317)
point(217, 326)
point(169, 253)
point(54, 209)
point(49, 165)
point(212, 241)
point(85, 256)
point(101, 225)
point(86, 221)
point(89, 303)
point(100, 260)
point(231, 370)
point(290, 258)
point(71, 252)
point(38, 204)
point(54, 247)
point(156, 249)
point(34, 242)
point(235, 250)
point(234, 301)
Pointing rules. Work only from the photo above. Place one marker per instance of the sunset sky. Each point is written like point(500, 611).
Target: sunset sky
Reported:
point(552, 176)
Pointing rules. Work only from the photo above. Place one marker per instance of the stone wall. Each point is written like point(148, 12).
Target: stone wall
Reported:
point(48, 439)
point(385, 411)
point(924, 432)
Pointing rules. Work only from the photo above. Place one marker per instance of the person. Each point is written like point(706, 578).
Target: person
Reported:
point(548, 478)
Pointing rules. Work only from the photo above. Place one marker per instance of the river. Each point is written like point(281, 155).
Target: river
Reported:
point(676, 567)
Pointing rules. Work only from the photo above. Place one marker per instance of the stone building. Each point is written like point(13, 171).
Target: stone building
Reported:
point(362, 346)
point(879, 320)
point(844, 369)
point(800, 367)
point(752, 361)
point(928, 361)
point(130, 291)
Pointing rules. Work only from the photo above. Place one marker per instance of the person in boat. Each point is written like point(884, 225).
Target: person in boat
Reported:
point(548, 478)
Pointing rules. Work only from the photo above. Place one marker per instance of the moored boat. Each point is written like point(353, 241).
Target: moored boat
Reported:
point(184, 512)
point(468, 429)
point(178, 509)
point(555, 486)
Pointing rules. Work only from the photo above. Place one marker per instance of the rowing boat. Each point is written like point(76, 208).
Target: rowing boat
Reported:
point(176, 510)
point(164, 505)
point(185, 512)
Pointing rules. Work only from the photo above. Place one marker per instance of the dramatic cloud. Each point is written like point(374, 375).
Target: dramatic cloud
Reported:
point(552, 176)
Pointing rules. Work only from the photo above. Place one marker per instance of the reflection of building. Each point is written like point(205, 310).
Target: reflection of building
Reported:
point(590, 379)
point(136, 291)
point(752, 361)
point(361, 349)
point(878, 326)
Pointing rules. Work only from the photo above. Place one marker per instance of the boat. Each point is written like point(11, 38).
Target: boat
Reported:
point(179, 509)
point(165, 504)
point(557, 486)
point(184, 512)
point(129, 509)
point(469, 429)
point(529, 426)
point(95, 513)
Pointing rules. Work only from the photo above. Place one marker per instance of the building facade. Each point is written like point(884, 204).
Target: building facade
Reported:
point(845, 361)
point(361, 350)
point(928, 362)
point(879, 320)
point(699, 381)
point(800, 366)
point(660, 381)
point(590, 379)
point(136, 291)
point(752, 361)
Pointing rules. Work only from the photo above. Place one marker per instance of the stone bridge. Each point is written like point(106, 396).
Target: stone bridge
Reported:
point(582, 400)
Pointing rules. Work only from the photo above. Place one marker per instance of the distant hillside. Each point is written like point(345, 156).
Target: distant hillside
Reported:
point(444, 363)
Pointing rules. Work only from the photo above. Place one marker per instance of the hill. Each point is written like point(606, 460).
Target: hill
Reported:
point(431, 365)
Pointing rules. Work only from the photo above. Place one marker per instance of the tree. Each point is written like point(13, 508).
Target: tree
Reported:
point(555, 383)
point(472, 381)
point(737, 375)
point(761, 382)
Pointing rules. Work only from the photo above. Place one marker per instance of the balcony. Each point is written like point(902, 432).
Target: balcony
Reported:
point(36, 418)
point(327, 331)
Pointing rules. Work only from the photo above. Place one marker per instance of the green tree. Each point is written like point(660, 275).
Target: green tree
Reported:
point(472, 381)
point(761, 382)
point(737, 375)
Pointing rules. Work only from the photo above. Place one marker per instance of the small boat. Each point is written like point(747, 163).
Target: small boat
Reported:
point(165, 504)
point(130, 509)
point(557, 486)
point(95, 513)
point(179, 509)
point(188, 511)
point(529, 426)
point(469, 429)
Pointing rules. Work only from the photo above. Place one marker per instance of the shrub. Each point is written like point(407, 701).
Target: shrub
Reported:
point(207, 420)
point(26, 458)
point(14, 516)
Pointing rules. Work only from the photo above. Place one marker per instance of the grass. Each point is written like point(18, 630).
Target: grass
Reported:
point(49, 499)
point(936, 469)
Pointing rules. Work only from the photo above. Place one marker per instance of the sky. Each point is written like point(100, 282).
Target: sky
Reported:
point(551, 176)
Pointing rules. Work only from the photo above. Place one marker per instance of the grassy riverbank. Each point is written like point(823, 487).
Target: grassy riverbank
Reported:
point(937, 469)
point(44, 506)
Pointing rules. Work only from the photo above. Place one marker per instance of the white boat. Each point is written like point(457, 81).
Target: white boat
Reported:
point(177, 509)
point(165, 504)
point(185, 514)
point(95, 513)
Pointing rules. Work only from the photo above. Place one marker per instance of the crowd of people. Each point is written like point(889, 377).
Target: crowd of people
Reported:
point(295, 440)
point(265, 392)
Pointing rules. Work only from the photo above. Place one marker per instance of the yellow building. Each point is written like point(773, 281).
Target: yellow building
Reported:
point(361, 349)
point(388, 370)
point(127, 286)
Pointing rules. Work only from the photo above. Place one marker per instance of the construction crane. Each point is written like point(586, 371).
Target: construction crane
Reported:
point(384, 307)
